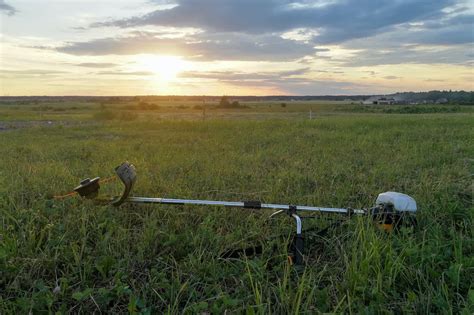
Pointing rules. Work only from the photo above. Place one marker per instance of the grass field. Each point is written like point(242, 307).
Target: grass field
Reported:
point(72, 255)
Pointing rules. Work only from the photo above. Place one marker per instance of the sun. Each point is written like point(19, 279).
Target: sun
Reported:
point(164, 68)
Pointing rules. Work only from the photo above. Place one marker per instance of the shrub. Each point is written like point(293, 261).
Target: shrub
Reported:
point(224, 102)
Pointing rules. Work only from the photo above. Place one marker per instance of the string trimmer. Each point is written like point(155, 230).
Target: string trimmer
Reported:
point(390, 210)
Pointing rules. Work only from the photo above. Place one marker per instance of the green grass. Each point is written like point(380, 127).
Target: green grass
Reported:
point(75, 256)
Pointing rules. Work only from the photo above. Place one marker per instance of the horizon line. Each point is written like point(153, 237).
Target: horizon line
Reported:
point(229, 95)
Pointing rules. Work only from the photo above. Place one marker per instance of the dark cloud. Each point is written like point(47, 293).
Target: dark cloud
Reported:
point(451, 20)
point(127, 45)
point(6, 8)
point(407, 55)
point(449, 35)
point(414, 44)
point(391, 77)
point(383, 31)
point(447, 30)
point(216, 46)
point(335, 21)
point(239, 46)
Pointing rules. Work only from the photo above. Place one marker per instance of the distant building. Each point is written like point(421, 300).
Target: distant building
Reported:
point(377, 100)
point(441, 101)
point(370, 100)
point(385, 101)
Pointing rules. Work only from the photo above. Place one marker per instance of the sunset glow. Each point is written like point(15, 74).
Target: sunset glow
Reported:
point(276, 47)
point(164, 68)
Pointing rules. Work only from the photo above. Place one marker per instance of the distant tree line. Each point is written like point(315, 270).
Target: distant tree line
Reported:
point(453, 97)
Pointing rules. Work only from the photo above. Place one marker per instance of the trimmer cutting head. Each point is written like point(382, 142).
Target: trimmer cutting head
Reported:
point(88, 188)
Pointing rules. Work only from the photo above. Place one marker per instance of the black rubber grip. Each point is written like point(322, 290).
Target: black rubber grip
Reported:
point(298, 246)
point(252, 204)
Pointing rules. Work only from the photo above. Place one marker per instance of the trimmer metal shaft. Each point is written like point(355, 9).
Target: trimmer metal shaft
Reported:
point(241, 204)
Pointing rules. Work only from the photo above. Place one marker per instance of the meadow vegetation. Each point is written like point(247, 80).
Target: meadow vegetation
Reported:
point(72, 255)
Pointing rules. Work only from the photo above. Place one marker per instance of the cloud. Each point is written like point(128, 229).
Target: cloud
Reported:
point(6, 8)
point(408, 55)
point(301, 86)
point(447, 41)
point(283, 30)
point(126, 73)
point(96, 64)
point(294, 82)
point(229, 76)
point(216, 46)
point(446, 30)
point(435, 80)
point(334, 21)
point(32, 72)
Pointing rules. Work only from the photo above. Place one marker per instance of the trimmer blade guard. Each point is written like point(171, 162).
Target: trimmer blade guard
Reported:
point(128, 175)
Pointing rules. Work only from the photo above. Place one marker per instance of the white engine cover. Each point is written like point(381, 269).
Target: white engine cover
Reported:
point(400, 202)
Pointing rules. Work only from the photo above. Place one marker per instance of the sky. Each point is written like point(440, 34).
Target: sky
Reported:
point(235, 47)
